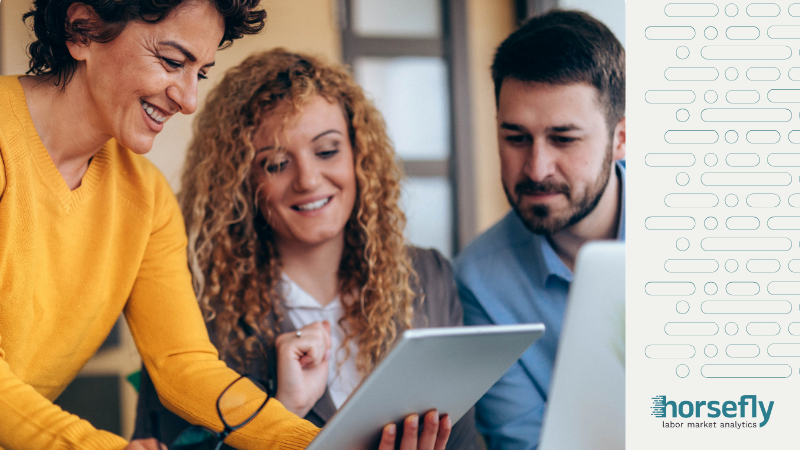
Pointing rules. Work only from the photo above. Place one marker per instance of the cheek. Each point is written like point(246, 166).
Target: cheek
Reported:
point(511, 164)
point(583, 169)
point(349, 182)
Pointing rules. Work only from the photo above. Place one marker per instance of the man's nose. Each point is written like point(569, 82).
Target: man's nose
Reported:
point(540, 161)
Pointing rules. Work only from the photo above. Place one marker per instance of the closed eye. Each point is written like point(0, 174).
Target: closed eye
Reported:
point(327, 153)
point(277, 168)
point(563, 139)
point(172, 63)
point(517, 138)
point(177, 65)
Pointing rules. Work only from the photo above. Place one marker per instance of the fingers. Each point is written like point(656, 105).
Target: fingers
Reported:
point(410, 432)
point(430, 430)
point(388, 437)
point(310, 348)
point(445, 427)
point(434, 436)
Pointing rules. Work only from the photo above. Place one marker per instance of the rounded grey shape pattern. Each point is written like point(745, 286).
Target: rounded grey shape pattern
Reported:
point(710, 33)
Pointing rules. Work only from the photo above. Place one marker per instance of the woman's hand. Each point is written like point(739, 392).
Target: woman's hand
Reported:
point(434, 435)
point(145, 444)
point(303, 366)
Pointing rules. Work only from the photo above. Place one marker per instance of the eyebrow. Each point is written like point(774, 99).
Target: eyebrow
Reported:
point(185, 52)
point(556, 129)
point(324, 133)
point(270, 147)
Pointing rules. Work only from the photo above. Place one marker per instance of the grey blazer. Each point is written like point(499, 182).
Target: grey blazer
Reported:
point(441, 308)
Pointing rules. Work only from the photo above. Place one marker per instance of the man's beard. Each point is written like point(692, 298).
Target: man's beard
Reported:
point(540, 219)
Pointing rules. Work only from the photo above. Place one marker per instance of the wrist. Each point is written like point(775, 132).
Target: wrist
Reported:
point(292, 406)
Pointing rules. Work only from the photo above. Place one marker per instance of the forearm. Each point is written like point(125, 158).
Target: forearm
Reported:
point(169, 331)
point(28, 421)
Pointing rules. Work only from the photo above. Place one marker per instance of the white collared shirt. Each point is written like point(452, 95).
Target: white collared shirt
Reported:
point(303, 309)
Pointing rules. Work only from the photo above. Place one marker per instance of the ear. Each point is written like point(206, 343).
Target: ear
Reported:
point(80, 16)
point(619, 140)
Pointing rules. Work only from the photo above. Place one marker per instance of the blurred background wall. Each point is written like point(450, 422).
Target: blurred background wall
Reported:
point(425, 63)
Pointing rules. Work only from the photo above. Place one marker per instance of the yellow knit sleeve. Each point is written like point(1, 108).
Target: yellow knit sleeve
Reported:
point(171, 336)
point(2, 175)
point(30, 421)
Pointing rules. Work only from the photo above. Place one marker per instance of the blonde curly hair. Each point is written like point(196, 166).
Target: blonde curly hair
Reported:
point(235, 263)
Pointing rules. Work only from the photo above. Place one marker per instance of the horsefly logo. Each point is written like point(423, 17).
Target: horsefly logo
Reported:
point(748, 407)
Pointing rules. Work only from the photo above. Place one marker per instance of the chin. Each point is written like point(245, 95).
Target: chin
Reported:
point(138, 146)
point(318, 238)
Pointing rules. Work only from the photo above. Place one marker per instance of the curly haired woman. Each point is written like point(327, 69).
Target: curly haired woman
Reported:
point(290, 196)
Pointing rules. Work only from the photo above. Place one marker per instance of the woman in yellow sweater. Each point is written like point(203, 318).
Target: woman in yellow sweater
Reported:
point(90, 229)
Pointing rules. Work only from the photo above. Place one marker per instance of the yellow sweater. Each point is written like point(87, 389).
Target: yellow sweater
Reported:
point(70, 263)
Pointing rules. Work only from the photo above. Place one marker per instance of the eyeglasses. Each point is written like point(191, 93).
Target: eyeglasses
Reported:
point(234, 408)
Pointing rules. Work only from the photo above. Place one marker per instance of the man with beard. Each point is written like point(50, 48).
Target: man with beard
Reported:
point(560, 92)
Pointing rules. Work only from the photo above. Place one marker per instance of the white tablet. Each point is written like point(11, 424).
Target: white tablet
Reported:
point(448, 369)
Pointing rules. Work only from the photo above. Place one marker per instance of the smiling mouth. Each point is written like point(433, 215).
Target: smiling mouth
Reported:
point(312, 205)
point(152, 112)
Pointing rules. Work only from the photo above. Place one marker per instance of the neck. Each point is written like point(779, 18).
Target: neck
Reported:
point(601, 223)
point(67, 123)
point(315, 268)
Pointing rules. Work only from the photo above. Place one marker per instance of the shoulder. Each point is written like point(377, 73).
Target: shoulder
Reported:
point(12, 110)
point(428, 260)
point(437, 298)
point(434, 274)
point(489, 247)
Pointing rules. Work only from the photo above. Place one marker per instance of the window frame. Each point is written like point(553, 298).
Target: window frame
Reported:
point(451, 46)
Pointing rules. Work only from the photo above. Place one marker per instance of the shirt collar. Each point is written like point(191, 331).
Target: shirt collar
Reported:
point(295, 297)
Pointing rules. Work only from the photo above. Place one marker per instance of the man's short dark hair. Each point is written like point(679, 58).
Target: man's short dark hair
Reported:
point(565, 47)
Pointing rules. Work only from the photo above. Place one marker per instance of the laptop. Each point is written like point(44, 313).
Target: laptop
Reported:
point(586, 404)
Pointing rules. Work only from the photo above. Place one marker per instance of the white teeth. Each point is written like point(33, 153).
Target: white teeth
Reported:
point(152, 112)
point(314, 205)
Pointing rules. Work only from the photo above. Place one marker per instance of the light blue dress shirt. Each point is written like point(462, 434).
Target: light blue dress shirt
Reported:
point(510, 275)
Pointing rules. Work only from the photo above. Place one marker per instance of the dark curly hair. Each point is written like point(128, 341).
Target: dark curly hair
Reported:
point(49, 54)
